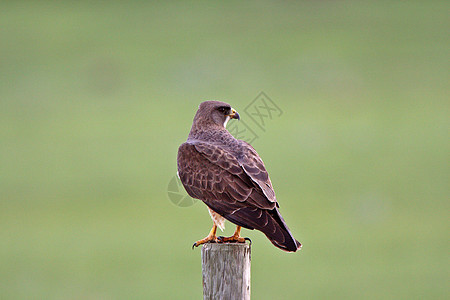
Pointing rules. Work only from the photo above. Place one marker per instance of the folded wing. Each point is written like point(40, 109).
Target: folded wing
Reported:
point(238, 189)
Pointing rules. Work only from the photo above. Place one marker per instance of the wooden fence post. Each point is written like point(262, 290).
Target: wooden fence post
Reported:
point(226, 271)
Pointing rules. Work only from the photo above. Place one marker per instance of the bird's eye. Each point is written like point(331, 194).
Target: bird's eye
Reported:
point(223, 109)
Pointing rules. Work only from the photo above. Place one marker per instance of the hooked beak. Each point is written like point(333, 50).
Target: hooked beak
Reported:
point(234, 114)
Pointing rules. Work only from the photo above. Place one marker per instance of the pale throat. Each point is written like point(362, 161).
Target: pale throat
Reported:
point(226, 121)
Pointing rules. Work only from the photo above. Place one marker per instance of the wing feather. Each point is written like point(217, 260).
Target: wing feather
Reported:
point(234, 189)
point(249, 168)
point(203, 167)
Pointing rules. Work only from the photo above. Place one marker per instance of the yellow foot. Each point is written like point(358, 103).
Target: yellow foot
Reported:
point(233, 239)
point(208, 239)
point(211, 238)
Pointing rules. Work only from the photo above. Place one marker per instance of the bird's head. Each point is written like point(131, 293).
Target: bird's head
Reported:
point(215, 112)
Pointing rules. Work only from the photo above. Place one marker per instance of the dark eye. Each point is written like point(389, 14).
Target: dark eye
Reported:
point(223, 109)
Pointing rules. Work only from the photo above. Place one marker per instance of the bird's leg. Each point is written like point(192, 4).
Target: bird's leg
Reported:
point(235, 238)
point(210, 238)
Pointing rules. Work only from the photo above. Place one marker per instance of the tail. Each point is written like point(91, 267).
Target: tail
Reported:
point(270, 222)
point(279, 234)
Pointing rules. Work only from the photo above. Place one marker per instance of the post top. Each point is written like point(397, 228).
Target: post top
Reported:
point(225, 246)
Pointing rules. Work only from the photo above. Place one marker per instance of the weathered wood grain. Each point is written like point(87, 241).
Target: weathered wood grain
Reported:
point(226, 271)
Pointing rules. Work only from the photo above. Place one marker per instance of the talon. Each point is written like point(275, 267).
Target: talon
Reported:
point(235, 238)
point(240, 240)
point(211, 238)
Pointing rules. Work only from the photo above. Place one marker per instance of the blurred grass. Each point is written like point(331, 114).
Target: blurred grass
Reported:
point(96, 97)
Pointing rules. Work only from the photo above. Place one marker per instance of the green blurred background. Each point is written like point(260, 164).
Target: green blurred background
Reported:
point(95, 98)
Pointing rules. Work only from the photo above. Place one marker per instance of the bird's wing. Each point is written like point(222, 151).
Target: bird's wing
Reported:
point(254, 167)
point(249, 161)
point(216, 177)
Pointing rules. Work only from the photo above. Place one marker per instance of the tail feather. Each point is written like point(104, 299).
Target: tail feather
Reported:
point(270, 222)
point(282, 237)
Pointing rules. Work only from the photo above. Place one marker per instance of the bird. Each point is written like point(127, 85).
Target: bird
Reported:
point(228, 175)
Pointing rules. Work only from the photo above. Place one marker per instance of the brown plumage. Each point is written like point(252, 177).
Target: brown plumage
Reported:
point(230, 178)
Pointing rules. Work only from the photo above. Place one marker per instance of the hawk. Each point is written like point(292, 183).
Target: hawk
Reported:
point(230, 178)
